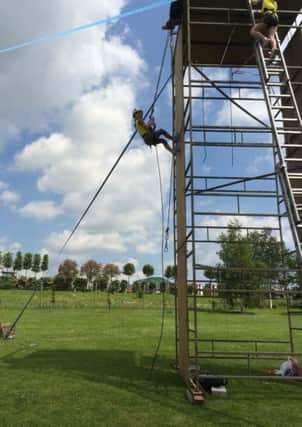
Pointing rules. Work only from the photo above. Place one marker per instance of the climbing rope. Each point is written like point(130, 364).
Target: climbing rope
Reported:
point(164, 232)
point(21, 313)
point(150, 112)
point(162, 64)
point(203, 121)
point(233, 134)
point(101, 187)
point(163, 307)
point(158, 95)
point(167, 231)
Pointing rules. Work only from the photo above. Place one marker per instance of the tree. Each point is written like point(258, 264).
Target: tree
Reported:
point(123, 286)
point(293, 276)
point(27, 261)
point(18, 262)
point(8, 260)
point(91, 268)
point(111, 270)
point(45, 262)
point(248, 263)
point(148, 270)
point(36, 265)
point(162, 286)
point(80, 284)
point(101, 282)
point(1, 260)
point(68, 270)
point(129, 270)
point(170, 272)
point(115, 286)
point(152, 287)
point(208, 289)
point(59, 284)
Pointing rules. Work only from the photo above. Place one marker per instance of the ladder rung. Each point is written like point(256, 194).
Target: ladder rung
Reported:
point(296, 329)
point(279, 95)
point(274, 69)
point(296, 175)
point(283, 107)
point(291, 145)
point(286, 120)
point(276, 84)
point(273, 73)
point(293, 159)
point(272, 61)
point(282, 131)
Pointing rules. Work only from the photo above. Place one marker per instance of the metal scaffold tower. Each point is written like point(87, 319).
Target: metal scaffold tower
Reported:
point(238, 112)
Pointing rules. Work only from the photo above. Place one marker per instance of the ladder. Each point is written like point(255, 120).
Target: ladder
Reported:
point(286, 127)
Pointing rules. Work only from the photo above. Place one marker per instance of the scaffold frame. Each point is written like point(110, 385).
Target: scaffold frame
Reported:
point(263, 200)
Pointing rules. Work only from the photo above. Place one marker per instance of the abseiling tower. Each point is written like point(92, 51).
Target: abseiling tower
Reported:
point(238, 114)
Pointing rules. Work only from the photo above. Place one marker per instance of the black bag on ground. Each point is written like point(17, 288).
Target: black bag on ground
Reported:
point(208, 383)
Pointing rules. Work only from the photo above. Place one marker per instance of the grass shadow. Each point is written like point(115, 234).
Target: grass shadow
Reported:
point(129, 371)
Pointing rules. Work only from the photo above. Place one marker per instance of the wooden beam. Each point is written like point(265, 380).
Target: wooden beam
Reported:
point(181, 280)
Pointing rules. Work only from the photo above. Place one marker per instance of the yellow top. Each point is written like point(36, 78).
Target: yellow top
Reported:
point(140, 129)
point(269, 5)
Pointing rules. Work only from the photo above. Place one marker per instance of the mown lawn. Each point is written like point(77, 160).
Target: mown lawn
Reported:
point(77, 364)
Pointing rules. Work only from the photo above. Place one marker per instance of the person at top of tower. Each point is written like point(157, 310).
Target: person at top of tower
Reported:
point(265, 30)
point(148, 133)
point(175, 15)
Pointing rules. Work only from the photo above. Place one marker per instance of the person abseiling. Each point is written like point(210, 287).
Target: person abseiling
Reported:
point(265, 30)
point(147, 131)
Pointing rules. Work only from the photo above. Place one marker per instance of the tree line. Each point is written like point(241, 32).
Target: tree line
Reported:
point(94, 275)
point(23, 262)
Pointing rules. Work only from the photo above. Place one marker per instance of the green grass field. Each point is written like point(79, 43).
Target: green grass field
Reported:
point(76, 364)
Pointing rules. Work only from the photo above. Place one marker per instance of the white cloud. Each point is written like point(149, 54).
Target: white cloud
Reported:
point(15, 247)
point(7, 246)
point(41, 210)
point(90, 85)
point(38, 83)
point(43, 152)
point(73, 164)
point(9, 197)
point(240, 118)
point(2, 185)
point(150, 248)
point(85, 242)
point(262, 163)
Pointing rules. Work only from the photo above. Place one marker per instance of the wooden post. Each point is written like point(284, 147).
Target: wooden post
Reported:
point(181, 280)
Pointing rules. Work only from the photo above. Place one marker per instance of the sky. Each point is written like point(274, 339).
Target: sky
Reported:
point(66, 114)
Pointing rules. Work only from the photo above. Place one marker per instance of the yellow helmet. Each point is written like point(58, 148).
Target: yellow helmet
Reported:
point(136, 111)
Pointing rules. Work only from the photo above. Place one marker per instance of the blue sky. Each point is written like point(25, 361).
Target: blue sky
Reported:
point(65, 115)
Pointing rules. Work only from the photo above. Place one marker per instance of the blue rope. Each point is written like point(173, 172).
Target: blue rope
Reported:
point(85, 26)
